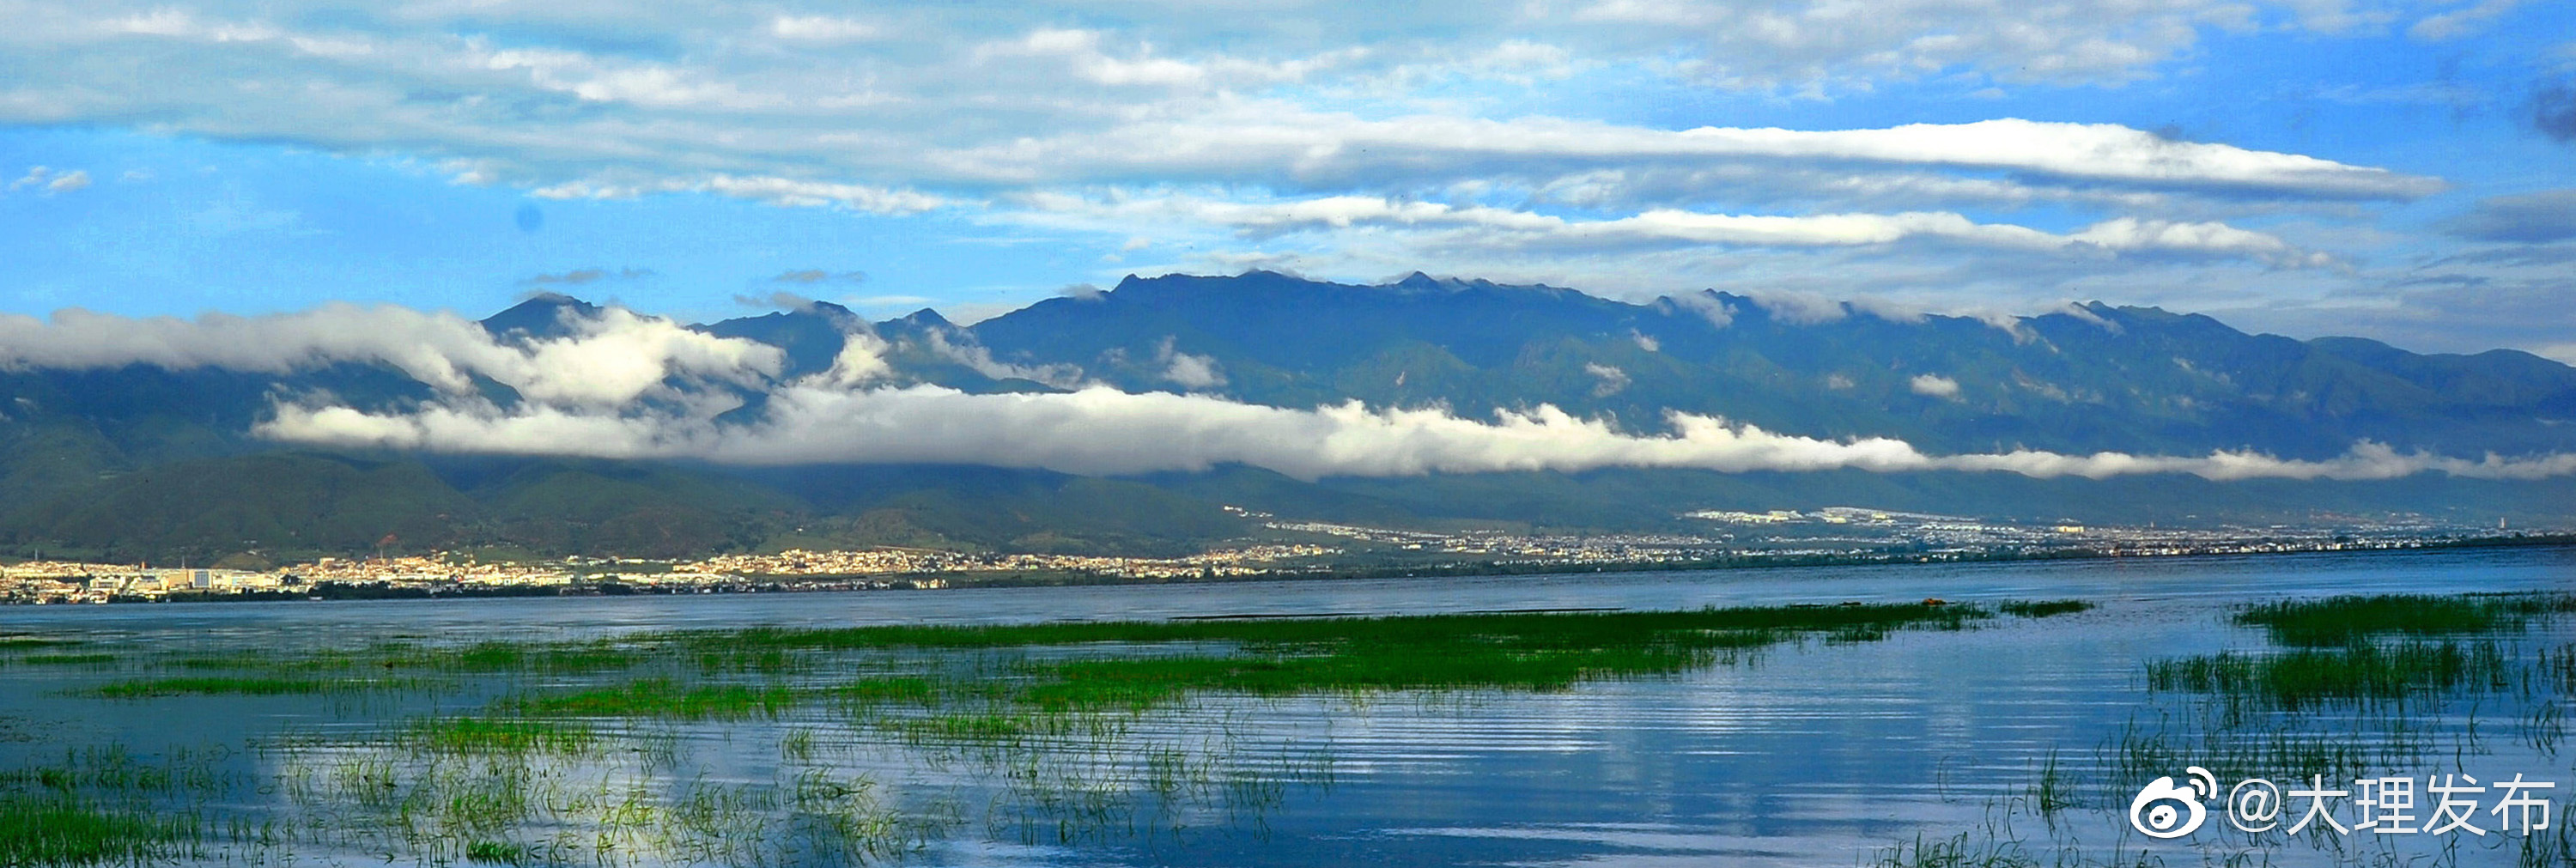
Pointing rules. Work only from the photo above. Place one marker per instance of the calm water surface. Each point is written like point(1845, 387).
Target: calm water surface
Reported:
point(1811, 754)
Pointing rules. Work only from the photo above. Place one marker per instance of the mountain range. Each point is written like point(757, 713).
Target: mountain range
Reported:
point(150, 457)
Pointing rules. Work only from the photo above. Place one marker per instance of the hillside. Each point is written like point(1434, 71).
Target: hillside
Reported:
point(163, 460)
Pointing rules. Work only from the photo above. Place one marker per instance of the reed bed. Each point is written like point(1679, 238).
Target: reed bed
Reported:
point(2345, 621)
point(553, 752)
point(2356, 675)
point(148, 688)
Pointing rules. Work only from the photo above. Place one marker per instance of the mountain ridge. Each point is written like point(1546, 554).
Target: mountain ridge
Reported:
point(145, 461)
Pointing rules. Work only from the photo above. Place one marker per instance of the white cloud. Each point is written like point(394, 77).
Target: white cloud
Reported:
point(822, 28)
point(1290, 148)
point(960, 347)
point(1186, 370)
point(951, 102)
point(975, 111)
point(2462, 21)
point(614, 359)
point(45, 179)
point(1103, 431)
point(1610, 379)
point(1475, 226)
point(861, 361)
point(606, 389)
point(772, 190)
point(1934, 385)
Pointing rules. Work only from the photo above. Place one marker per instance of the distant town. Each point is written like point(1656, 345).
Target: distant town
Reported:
point(1302, 549)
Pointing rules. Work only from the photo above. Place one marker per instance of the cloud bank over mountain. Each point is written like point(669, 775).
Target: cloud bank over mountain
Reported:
point(612, 383)
point(1102, 431)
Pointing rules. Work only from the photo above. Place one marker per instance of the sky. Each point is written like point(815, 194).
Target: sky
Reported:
point(2398, 170)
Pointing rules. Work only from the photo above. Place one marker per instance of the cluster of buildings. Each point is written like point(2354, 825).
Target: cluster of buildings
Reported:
point(1857, 534)
point(1244, 561)
point(77, 582)
point(48, 582)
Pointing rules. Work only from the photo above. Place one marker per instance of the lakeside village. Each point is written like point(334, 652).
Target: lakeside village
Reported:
point(1834, 535)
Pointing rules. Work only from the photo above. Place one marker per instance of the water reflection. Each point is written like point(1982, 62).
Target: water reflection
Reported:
point(1926, 744)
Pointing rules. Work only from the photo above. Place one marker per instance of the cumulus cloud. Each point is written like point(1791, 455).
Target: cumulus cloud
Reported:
point(609, 360)
point(861, 361)
point(1934, 385)
point(1186, 370)
point(961, 347)
point(814, 109)
point(979, 112)
point(44, 178)
point(822, 28)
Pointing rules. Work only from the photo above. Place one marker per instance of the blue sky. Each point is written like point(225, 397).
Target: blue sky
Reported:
point(2397, 170)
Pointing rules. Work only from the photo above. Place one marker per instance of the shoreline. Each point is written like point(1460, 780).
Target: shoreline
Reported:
point(332, 591)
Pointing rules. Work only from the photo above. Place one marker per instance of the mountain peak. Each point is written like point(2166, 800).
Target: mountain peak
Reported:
point(925, 318)
point(543, 315)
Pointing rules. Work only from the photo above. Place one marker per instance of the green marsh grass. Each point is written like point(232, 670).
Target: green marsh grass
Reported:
point(893, 689)
point(499, 853)
point(2341, 621)
point(473, 735)
point(1524, 630)
point(22, 643)
point(105, 804)
point(247, 686)
point(62, 829)
point(69, 659)
point(662, 698)
point(2356, 675)
point(550, 761)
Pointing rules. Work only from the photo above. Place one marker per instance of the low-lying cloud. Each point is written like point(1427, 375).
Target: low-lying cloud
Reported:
point(609, 360)
point(1104, 431)
point(622, 385)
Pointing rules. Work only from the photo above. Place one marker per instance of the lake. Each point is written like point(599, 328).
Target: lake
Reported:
point(2016, 740)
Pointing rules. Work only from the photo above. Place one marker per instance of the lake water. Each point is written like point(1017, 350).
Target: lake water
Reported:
point(1806, 754)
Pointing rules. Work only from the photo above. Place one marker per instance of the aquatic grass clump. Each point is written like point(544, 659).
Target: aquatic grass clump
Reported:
point(498, 853)
point(62, 829)
point(660, 697)
point(2043, 608)
point(21, 643)
point(69, 659)
point(575, 657)
point(1139, 683)
point(227, 686)
point(1533, 629)
point(2338, 621)
point(106, 804)
point(474, 735)
point(2362, 674)
point(870, 691)
point(305, 661)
